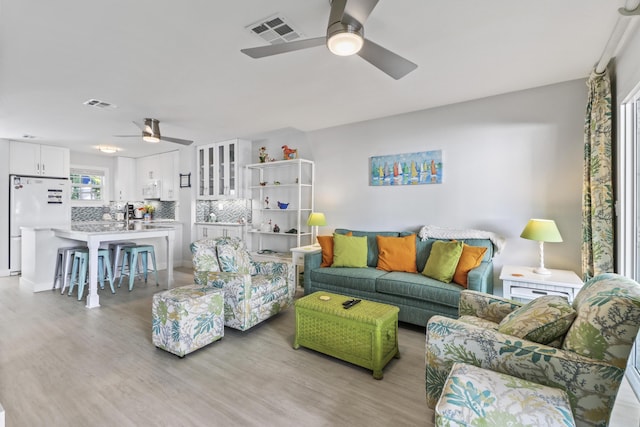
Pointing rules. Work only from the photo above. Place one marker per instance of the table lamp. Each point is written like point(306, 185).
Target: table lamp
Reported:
point(541, 230)
point(316, 219)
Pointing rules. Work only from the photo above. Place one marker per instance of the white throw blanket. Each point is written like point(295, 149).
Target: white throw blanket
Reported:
point(435, 232)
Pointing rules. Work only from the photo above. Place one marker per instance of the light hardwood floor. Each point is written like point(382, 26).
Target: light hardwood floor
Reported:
point(64, 365)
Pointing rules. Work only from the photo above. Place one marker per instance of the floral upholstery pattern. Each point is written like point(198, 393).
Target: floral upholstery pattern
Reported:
point(590, 377)
point(478, 397)
point(253, 291)
point(207, 259)
point(187, 318)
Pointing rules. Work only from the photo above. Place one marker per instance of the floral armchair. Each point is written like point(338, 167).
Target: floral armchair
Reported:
point(253, 291)
point(588, 361)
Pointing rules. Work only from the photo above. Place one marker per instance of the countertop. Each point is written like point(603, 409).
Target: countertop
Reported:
point(114, 227)
point(225, 224)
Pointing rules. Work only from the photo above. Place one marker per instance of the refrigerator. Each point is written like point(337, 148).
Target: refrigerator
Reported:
point(35, 202)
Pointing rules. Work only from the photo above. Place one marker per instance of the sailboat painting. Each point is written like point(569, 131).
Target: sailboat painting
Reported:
point(407, 169)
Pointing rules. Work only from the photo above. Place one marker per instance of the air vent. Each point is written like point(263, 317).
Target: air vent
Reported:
point(275, 29)
point(98, 104)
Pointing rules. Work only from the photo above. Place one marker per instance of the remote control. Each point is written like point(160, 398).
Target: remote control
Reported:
point(351, 303)
point(348, 302)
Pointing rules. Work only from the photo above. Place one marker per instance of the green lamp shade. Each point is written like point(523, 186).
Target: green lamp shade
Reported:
point(316, 219)
point(541, 230)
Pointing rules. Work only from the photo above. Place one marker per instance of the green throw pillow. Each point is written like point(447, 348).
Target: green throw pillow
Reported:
point(543, 320)
point(349, 251)
point(442, 261)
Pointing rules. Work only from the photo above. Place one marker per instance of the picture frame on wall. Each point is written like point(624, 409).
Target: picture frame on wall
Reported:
point(424, 167)
point(185, 180)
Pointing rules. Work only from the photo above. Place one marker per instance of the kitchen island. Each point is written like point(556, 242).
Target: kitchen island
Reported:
point(94, 235)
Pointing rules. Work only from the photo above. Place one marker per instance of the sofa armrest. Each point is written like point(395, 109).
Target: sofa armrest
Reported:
point(270, 267)
point(311, 262)
point(481, 278)
point(485, 306)
point(591, 384)
point(238, 285)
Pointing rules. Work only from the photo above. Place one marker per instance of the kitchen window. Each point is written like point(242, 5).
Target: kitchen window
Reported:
point(88, 185)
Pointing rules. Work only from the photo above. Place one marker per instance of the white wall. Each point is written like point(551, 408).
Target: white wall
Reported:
point(506, 159)
point(4, 213)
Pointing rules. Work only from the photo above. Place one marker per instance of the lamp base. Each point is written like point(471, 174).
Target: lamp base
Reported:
point(541, 270)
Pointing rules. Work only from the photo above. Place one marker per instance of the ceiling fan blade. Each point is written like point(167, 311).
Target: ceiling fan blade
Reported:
point(276, 49)
point(385, 60)
point(176, 140)
point(141, 126)
point(358, 10)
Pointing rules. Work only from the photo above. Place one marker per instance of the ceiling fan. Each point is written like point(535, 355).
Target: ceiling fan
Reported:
point(345, 36)
point(151, 133)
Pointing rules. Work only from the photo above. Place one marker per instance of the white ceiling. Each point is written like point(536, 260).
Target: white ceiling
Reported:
point(180, 62)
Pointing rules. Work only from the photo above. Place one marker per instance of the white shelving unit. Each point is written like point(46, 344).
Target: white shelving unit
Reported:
point(285, 181)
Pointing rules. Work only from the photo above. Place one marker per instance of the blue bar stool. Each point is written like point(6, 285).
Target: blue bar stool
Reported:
point(81, 268)
point(116, 250)
point(131, 258)
point(64, 258)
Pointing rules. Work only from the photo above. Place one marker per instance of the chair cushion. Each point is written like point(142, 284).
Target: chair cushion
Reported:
point(606, 326)
point(205, 257)
point(419, 287)
point(542, 320)
point(233, 256)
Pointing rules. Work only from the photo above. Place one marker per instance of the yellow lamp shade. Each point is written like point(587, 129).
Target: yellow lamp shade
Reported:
point(316, 219)
point(541, 230)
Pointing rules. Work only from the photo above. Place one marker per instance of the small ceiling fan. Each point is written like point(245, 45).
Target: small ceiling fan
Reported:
point(345, 36)
point(151, 133)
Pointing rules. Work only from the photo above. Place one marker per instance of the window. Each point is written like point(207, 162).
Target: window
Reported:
point(88, 185)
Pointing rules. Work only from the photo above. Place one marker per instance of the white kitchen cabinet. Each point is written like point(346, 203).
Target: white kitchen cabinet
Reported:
point(215, 230)
point(289, 182)
point(219, 169)
point(26, 158)
point(169, 164)
point(124, 179)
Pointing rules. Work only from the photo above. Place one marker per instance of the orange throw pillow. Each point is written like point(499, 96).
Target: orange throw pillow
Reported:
point(326, 244)
point(471, 258)
point(397, 253)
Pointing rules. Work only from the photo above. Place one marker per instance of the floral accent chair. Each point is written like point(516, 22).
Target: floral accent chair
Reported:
point(587, 362)
point(253, 291)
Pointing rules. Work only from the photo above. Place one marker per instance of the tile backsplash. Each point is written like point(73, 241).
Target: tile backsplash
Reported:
point(224, 210)
point(164, 210)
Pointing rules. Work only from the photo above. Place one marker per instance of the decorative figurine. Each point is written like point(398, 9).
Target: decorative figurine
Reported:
point(276, 229)
point(266, 202)
point(289, 153)
point(262, 154)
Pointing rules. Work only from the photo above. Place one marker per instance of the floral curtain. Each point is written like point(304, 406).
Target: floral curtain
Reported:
point(597, 189)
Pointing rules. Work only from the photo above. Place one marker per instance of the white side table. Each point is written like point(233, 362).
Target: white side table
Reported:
point(523, 284)
point(298, 257)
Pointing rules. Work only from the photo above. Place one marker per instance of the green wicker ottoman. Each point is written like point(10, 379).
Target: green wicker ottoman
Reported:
point(365, 335)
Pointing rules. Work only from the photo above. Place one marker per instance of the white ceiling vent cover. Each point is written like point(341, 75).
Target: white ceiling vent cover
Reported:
point(275, 29)
point(98, 104)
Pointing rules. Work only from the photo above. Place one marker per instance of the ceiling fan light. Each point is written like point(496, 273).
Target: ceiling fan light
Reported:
point(345, 43)
point(151, 131)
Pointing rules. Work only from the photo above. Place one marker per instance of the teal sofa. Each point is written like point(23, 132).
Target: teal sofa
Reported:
point(418, 297)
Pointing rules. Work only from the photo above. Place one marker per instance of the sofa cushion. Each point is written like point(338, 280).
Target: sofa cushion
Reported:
point(361, 279)
point(471, 258)
point(417, 286)
point(349, 251)
point(397, 253)
point(442, 262)
point(372, 244)
point(542, 320)
point(326, 244)
point(233, 256)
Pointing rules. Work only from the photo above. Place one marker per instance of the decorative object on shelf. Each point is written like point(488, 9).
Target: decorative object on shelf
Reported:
point(541, 230)
point(407, 169)
point(212, 217)
point(292, 231)
point(283, 205)
point(263, 183)
point(316, 219)
point(276, 182)
point(289, 153)
point(276, 229)
point(266, 202)
point(185, 180)
point(262, 154)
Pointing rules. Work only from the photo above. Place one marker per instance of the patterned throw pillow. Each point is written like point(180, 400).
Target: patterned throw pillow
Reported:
point(542, 320)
